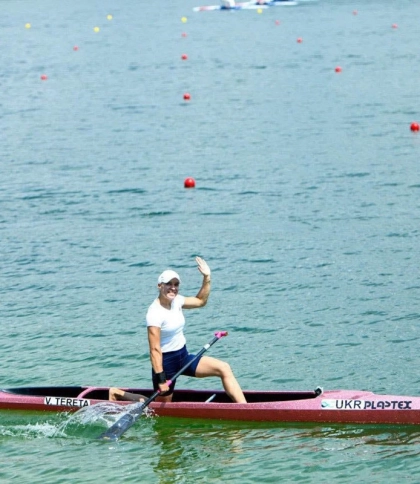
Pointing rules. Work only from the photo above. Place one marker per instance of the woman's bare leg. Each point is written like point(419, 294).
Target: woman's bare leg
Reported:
point(116, 394)
point(209, 366)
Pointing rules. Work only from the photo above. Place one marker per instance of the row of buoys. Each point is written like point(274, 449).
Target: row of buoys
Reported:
point(188, 182)
point(187, 95)
point(28, 25)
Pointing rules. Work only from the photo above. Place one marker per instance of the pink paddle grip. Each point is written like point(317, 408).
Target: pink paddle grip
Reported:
point(220, 334)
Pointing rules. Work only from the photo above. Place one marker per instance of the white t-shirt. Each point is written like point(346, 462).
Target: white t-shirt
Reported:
point(171, 323)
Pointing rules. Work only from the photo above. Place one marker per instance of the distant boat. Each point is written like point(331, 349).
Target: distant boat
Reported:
point(246, 5)
point(335, 406)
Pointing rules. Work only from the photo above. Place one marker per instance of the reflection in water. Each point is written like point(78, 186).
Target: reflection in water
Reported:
point(195, 448)
point(212, 450)
point(370, 434)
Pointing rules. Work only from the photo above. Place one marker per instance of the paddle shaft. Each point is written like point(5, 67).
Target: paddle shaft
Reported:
point(128, 419)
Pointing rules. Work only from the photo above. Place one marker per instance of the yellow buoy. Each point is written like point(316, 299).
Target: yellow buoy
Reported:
point(27, 26)
point(259, 10)
point(109, 17)
point(184, 20)
point(96, 29)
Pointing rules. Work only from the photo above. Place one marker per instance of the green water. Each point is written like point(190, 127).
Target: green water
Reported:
point(306, 207)
point(63, 449)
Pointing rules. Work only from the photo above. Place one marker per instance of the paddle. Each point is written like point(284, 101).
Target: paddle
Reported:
point(129, 418)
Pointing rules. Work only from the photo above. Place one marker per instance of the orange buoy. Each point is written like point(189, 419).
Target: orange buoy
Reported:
point(189, 183)
point(415, 126)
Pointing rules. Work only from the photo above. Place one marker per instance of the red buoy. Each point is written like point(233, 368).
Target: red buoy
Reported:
point(184, 57)
point(183, 34)
point(187, 96)
point(394, 26)
point(338, 69)
point(299, 40)
point(76, 48)
point(277, 22)
point(415, 126)
point(44, 77)
point(189, 183)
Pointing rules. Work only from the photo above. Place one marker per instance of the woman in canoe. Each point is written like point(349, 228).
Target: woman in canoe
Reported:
point(168, 352)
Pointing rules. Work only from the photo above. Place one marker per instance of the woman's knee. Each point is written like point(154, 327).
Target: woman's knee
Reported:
point(212, 367)
point(225, 369)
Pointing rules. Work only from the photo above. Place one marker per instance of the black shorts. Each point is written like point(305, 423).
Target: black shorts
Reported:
point(173, 361)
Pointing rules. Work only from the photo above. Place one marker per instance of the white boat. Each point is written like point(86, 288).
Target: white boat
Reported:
point(253, 5)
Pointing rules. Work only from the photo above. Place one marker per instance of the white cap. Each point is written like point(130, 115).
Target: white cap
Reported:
point(167, 276)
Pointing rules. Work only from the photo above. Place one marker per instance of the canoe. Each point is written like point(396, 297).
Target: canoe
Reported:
point(334, 406)
point(246, 6)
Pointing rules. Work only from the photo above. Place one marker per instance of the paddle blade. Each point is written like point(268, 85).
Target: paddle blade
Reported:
point(119, 427)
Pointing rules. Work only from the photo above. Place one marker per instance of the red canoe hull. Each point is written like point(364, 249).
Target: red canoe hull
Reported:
point(337, 406)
